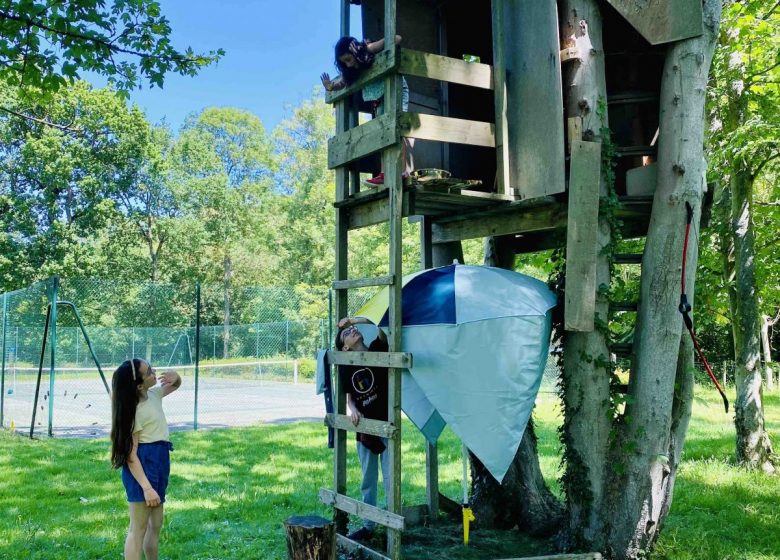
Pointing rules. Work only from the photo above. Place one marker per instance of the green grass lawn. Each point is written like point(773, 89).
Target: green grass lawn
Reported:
point(231, 489)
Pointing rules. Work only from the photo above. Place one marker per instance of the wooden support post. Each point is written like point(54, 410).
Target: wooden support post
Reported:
point(581, 236)
point(310, 537)
point(431, 449)
point(499, 86)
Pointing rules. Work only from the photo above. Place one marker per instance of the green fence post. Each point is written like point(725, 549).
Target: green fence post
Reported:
point(330, 319)
point(2, 369)
point(197, 353)
point(53, 360)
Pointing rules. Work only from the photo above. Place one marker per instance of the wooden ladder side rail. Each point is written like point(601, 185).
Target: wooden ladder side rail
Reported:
point(355, 547)
point(401, 360)
point(366, 425)
point(362, 509)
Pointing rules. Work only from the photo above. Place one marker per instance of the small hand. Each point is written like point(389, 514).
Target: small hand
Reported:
point(151, 497)
point(355, 417)
point(169, 378)
point(345, 322)
point(326, 81)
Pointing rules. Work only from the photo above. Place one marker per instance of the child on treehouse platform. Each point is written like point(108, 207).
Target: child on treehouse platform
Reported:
point(352, 57)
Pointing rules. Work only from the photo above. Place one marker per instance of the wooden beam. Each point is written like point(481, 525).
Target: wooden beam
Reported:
point(573, 131)
point(503, 183)
point(662, 21)
point(366, 425)
point(446, 129)
point(361, 550)
point(581, 237)
point(374, 212)
point(363, 282)
point(401, 360)
point(548, 217)
point(362, 509)
point(572, 53)
point(444, 68)
point(360, 141)
point(384, 63)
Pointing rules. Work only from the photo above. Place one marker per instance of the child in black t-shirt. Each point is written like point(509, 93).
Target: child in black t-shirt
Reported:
point(366, 389)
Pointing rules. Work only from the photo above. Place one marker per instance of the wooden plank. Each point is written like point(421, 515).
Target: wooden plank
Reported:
point(384, 63)
point(363, 282)
point(581, 236)
point(444, 68)
point(360, 141)
point(446, 129)
point(569, 54)
point(573, 131)
point(503, 181)
point(377, 359)
point(628, 258)
point(366, 425)
point(545, 218)
point(361, 509)
point(374, 212)
point(354, 547)
point(581, 556)
point(535, 99)
point(662, 21)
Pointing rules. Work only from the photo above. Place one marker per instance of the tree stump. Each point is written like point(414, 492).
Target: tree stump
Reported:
point(310, 537)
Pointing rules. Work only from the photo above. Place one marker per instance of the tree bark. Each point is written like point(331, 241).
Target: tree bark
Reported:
point(652, 429)
point(766, 348)
point(523, 498)
point(753, 448)
point(310, 537)
point(586, 375)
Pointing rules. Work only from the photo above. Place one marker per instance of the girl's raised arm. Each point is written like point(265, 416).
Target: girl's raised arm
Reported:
point(378, 46)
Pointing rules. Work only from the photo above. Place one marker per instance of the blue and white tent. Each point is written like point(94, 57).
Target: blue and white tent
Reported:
point(479, 337)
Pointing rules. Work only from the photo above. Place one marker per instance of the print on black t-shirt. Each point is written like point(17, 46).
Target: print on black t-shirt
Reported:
point(367, 385)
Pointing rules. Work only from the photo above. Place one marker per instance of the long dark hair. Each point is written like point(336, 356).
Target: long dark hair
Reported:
point(359, 50)
point(124, 402)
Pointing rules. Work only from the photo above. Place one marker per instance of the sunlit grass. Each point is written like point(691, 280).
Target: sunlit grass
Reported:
point(231, 489)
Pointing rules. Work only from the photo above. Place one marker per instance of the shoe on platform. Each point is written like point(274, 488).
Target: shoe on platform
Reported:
point(378, 180)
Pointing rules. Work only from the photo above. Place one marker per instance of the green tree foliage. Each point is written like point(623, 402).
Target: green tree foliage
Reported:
point(60, 183)
point(47, 43)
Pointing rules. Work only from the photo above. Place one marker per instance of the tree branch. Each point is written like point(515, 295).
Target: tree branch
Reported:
point(41, 121)
point(763, 163)
point(101, 42)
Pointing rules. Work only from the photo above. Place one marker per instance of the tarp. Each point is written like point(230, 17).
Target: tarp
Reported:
point(479, 338)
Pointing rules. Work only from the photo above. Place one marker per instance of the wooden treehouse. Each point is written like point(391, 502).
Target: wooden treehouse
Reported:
point(524, 153)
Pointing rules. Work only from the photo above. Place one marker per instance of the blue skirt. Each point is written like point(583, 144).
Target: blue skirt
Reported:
point(155, 459)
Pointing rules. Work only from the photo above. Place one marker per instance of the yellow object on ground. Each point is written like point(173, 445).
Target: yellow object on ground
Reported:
point(468, 517)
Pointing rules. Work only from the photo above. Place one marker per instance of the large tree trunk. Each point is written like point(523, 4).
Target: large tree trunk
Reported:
point(586, 375)
point(523, 498)
point(652, 429)
point(753, 446)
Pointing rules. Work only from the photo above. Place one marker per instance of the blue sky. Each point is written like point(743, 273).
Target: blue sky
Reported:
point(275, 53)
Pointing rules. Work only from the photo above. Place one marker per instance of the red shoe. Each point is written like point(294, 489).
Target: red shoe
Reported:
point(378, 180)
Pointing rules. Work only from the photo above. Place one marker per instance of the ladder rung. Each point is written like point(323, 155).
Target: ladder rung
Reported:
point(624, 306)
point(366, 425)
point(401, 360)
point(632, 97)
point(362, 509)
point(625, 151)
point(628, 258)
point(622, 349)
point(572, 53)
point(352, 546)
point(364, 282)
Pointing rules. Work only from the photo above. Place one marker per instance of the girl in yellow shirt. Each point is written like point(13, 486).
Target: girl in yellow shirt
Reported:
point(140, 446)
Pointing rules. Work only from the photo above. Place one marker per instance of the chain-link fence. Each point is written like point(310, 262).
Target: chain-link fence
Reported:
point(232, 345)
